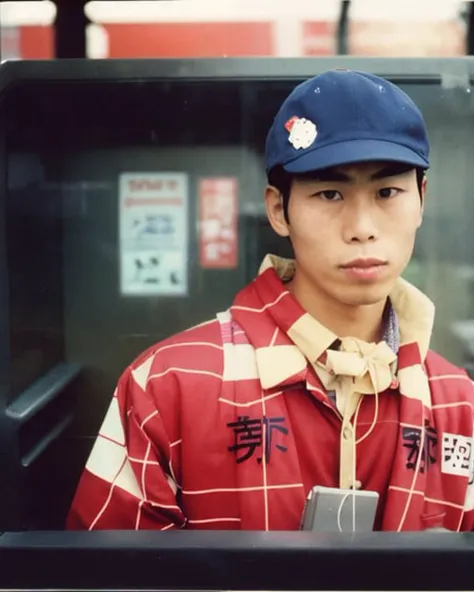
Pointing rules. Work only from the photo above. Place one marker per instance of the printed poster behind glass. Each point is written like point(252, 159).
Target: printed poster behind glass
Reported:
point(153, 228)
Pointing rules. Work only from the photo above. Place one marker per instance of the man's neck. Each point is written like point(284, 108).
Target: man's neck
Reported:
point(361, 322)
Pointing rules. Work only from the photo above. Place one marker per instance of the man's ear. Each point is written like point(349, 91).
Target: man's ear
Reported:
point(424, 185)
point(275, 211)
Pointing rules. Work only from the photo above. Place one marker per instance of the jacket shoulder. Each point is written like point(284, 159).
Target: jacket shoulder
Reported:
point(437, 366)
point(194, 347)
point(178, 371)
point(448, 382)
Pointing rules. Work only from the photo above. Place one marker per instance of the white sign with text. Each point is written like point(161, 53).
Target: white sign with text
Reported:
point(153, 233)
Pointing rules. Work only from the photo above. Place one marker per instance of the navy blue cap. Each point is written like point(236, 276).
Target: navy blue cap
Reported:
point(343, 117)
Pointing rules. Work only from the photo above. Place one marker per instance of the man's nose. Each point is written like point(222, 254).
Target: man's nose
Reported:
point(360, 224)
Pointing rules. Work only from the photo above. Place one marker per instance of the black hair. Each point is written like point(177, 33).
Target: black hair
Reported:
point(282, 180)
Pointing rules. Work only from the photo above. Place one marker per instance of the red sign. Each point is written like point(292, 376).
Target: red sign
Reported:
point(181, 40)
point(218, 214)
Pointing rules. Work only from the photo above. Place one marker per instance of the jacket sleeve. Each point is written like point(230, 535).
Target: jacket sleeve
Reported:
point(128, 482)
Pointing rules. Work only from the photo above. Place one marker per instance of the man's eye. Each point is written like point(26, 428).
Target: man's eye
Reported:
point(330, 195)
point(388, 192)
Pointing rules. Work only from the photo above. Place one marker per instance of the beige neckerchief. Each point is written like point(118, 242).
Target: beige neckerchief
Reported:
point(358, 368)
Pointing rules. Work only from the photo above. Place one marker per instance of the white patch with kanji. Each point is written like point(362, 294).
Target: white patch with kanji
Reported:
point(457, 455)
point(303, 133)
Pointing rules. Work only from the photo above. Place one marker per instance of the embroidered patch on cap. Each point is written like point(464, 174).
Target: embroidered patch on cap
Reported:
point(303, 132)
point(457, 455)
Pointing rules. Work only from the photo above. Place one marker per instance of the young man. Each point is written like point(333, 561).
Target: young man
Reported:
point(320, 373)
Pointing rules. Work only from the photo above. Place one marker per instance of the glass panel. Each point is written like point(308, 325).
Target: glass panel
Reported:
point(80, 290)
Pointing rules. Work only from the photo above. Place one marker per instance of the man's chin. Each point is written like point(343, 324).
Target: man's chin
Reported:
point(366, 295)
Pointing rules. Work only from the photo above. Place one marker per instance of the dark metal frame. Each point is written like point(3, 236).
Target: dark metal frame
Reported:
point(217, 560)
point(399, 70)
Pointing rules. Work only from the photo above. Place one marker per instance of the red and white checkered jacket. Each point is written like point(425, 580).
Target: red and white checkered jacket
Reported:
point(228, 426)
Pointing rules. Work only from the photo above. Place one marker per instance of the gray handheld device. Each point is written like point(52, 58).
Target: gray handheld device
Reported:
point(329, 509)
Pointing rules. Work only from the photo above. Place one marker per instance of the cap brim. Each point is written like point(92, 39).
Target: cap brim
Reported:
point(353, 151)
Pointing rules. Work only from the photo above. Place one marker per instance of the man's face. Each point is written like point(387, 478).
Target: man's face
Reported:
point(352, 228)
